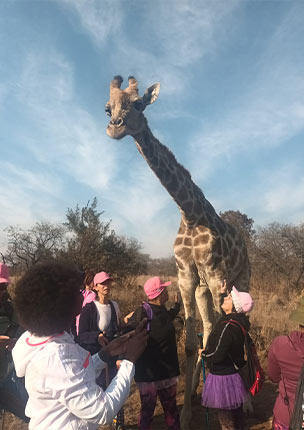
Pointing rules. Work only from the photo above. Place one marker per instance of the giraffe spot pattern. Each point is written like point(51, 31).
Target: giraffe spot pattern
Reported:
point(180, 264)
point(187, 207)
point(203, 222)
point(201, 240)
point(197, 207)
point(182, 228)
point(220, 226)
point(188, 241)
point(173, 184)
point(160, 173)
point(178, 241)
point(225, 249)
point(183, 193)
point(215, 262)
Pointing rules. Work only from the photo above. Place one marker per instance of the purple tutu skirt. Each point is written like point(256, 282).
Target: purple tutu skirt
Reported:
point(224, 391)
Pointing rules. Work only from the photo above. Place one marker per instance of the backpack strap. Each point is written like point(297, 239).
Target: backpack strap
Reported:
point(149, 314)
point(236, 323)
point(113, 326)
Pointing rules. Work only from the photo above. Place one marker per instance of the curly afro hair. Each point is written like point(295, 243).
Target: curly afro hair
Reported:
point(47, 297)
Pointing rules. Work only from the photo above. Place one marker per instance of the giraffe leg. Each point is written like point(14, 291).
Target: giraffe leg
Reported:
point(205, 304)
point(196, 376)
point(187, 288)
point(242, 280)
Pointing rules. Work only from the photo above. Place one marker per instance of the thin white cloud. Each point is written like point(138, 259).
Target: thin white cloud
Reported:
point(26, 197)
point(284, 193)
point(268, 114)
point(188, 31)
point(100, 19)
point(72, 139)
point(276, 194)
point(180, 36)
point(144, 209)
point(142, 199)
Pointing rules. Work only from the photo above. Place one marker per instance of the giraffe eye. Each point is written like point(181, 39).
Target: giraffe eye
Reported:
point(138, 104)
point(108, 110)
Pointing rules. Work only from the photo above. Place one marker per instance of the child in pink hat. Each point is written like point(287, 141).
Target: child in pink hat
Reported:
point(224, 390)
point(157, 369)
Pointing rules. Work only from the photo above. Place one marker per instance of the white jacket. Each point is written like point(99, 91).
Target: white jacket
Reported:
point(60, 378)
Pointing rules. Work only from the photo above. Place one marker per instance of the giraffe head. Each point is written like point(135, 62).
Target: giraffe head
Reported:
point(125, 107)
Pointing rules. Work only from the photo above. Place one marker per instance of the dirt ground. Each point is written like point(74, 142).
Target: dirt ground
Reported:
point(263, 404)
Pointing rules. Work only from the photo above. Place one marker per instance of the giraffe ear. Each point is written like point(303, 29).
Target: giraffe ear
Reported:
point(151, 94)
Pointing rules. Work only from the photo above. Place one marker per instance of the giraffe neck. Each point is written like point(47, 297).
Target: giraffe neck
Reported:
point(176, 179)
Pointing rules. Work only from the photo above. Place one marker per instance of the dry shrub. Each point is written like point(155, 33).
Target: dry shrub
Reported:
point(270, 317)
point(129, 299)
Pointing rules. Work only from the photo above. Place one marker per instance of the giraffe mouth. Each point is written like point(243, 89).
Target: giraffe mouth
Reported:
point(116, 132)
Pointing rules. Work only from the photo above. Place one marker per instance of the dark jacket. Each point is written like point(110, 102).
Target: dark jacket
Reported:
point(159, 361)
point(9, 327)
point(225, 346)
point(89, 330)
point(285, 360)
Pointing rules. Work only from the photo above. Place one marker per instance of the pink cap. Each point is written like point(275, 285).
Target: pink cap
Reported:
point(242, 301)
point(101, 277)
point(154, 287)
point(4, 276)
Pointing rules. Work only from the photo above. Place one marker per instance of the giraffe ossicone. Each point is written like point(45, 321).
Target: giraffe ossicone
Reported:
point(207, 250)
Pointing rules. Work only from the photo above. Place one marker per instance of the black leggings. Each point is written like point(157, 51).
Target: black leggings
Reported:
point(231, 419)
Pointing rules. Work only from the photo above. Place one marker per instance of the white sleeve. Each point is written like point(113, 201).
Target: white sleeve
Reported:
point(87, 401)
point(98, 364)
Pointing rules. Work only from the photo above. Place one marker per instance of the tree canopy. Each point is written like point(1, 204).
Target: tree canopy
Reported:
point(83, 239)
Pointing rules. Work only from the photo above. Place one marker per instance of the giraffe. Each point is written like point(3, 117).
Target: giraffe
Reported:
point(207, 250)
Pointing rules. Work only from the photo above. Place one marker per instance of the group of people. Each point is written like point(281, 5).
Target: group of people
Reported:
point(77, 357)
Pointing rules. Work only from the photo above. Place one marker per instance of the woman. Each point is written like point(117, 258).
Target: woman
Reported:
point(98, 324)
point(285, 361)
point(88, 294)
point(224, 389)
point(60, 376)
point(99, 320)
point(157, 369)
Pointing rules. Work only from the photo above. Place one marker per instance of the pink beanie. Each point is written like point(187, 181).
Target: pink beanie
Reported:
point(4, 277)
point(242, 301)
point(154, 287)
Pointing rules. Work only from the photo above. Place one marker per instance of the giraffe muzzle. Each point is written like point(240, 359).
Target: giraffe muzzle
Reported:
point(116, 122)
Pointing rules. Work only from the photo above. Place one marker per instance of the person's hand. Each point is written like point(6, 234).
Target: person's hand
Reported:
point(127, 317)
point(102, 340)
point(200, 351)
point(138, 342)
point(224, 287)
point(119, 345)
point(4, 342)
point(118, 363)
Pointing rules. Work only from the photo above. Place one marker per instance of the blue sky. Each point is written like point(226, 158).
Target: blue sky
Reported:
point(231, 108)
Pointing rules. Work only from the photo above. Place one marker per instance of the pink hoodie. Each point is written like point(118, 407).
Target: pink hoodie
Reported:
point(88, 297)
point(285, 361)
